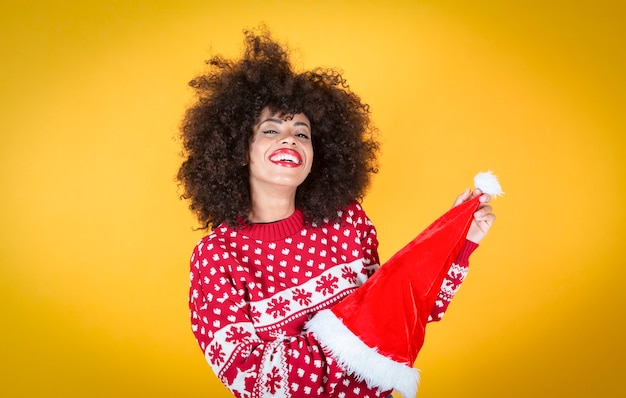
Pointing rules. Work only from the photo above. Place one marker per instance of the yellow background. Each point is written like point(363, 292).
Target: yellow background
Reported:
point(94, 240)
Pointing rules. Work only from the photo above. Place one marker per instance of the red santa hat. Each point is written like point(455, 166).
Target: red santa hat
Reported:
point(376, 332)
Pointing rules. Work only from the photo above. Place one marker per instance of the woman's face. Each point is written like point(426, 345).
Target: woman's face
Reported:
point(281, 151)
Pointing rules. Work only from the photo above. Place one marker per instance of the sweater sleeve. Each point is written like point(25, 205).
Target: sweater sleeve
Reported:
point(250, 364)
point(452, 282)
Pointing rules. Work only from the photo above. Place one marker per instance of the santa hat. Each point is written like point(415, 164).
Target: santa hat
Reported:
point(376, 332)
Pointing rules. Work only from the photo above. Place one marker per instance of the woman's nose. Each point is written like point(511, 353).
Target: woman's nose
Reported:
point(288, 139)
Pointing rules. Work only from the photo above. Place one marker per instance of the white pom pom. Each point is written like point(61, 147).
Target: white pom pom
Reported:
point(488, 183)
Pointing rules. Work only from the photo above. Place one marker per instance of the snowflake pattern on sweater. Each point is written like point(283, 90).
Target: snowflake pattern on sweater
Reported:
point(252, 290)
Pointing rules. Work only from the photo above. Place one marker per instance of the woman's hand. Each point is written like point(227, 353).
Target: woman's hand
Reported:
point(483, 217)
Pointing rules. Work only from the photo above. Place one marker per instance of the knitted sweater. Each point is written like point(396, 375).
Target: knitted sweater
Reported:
point(252, 290)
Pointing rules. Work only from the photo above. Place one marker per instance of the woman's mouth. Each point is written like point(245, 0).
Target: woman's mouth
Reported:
point(286, 158)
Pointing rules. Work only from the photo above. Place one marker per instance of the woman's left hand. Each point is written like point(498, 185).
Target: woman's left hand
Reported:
point(483, 217)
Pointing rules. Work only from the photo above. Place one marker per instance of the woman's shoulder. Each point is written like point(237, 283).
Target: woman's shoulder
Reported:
point(352, 215)
point(214, 240)
point(354, 207)
point(353, 212)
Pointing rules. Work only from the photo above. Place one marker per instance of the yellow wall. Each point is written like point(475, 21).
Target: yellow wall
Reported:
point(94, 241)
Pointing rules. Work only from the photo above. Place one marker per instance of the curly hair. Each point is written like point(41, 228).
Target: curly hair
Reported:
point(217, 128)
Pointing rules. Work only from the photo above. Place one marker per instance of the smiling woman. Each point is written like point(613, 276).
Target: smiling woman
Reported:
point(276, 163)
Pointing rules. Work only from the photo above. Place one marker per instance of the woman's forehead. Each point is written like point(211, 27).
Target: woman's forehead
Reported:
point(283, 116)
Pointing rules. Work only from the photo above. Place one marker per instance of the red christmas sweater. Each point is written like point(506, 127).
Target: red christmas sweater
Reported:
point(253, 289)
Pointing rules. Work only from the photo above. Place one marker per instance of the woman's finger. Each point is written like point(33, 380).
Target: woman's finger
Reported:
point(462, 197)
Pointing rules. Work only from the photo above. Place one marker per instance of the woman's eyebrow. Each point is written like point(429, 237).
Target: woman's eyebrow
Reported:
point(278, 121)
point(272, 120)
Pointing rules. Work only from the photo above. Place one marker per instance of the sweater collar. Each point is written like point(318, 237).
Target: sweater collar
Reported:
point(275, 230)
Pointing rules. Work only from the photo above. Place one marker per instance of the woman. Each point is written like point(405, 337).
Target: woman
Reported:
point(276, 163)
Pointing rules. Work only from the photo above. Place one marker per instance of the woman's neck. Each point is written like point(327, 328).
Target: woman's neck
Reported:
point(272, 207)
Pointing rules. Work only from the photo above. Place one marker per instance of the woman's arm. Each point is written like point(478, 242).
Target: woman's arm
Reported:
point(247, 364)
point(481, 223)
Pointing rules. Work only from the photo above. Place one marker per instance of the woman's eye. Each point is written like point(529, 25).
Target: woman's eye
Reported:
point(302, 135)
point(270, 132)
